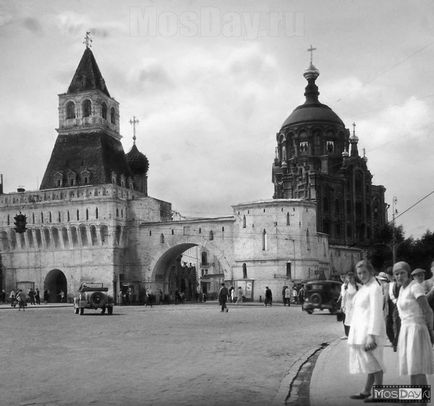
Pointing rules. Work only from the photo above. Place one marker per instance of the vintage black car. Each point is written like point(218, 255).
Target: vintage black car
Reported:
point(93, 295)
point(321, 294)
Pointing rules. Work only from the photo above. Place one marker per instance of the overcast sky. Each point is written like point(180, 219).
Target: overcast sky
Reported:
point(212, 82)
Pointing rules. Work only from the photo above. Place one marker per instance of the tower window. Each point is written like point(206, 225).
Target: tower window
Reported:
point(104, 111)
point(78, 214)
point(330, 146)
point(264, 240)
point(211, 235)
point(244, 221)
point(112, 116)
point(244, 271)
point(86, 108)
point(96, 212)
point(304, 146)
point(70, 110)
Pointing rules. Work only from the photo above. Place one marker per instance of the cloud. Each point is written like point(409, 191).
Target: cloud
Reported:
point(33, 25)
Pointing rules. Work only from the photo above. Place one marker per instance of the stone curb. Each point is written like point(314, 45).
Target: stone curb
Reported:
point(286, 383)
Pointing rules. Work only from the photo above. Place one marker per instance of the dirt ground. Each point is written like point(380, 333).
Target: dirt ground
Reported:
point(165, 355)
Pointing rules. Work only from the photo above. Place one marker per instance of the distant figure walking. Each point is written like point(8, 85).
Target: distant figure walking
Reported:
point(46, 296)
point(287, 298)
point(12, 298)
point(223, 297)
point(268, 297)
point(21, 299)
point(239, 295)
point(37, 297)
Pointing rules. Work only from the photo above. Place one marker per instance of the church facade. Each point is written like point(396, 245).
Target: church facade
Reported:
point(317, 159)
point(93, 220)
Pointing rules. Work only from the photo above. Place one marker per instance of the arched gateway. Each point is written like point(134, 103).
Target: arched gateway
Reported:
point(55, 283)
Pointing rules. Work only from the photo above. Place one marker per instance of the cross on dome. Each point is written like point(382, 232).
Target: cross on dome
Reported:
point(133, 122)
point(311, 49)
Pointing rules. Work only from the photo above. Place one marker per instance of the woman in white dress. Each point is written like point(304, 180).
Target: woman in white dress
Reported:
point(348, 290)
point(416, 335)
point(367, 333)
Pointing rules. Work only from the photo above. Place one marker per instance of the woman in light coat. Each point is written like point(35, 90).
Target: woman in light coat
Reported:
point(367, 333)
point(348, 290)
point(416, 335)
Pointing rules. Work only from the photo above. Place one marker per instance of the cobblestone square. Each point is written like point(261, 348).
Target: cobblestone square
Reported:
point(165, 355)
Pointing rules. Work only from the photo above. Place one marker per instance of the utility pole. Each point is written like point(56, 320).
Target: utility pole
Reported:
point(394, 201)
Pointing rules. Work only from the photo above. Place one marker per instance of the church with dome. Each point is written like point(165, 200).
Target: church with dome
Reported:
point(93, 220)
point(317, 159)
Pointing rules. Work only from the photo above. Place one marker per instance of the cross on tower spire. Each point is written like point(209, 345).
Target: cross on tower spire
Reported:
point(133, 122)
point(87, 39)
point(311, 49)
point(354, 129)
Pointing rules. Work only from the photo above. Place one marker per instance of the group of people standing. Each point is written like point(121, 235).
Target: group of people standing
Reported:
point(399, 309)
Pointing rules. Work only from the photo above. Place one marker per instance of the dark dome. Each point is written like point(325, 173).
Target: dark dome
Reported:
point(312, 109)
point(137, 161)
point(312, 112)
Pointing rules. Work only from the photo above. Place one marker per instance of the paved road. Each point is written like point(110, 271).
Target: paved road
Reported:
point(167, 355)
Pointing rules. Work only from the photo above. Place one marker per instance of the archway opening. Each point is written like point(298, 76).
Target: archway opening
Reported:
point(55, 287)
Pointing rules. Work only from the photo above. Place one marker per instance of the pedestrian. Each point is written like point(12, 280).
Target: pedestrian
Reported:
point(394, 288)
point(416, 335)
point(223, 297)
point(3, 296)
point(31, 295)
point(294, 295)
point(61, 296)
point(12, 298)
point(37, 297)
point(148, 301)
point(21, 299)
point(301, 294)
point(366, 336)
point(287, 296)
point(268, 297)
point(46, 296)
point(232, 294)
point(348, 291)
point(239, 295)
point(418, 275)
point(429, 283)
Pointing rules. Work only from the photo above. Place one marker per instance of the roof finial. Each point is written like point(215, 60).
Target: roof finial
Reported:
point(133, 122)
point(354, 129)
point(88, 39)
point(311, 49)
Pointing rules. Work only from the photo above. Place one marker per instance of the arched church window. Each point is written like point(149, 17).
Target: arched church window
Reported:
point(288, 222)
point(244, 271)
point(330, 146)
point(112, 115)
point(304, 147)
point(104, 111)
point(162, 238)
point(211, 235)
point(244, 221)
point(86, 108)
point(70, 110)
point(204, 258)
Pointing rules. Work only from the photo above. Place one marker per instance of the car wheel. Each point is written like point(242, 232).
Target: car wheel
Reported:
point(316, 299)
point(110, 310)
point(76, 310)
point(310, 311)
point(82, 311)
point(97, 299)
